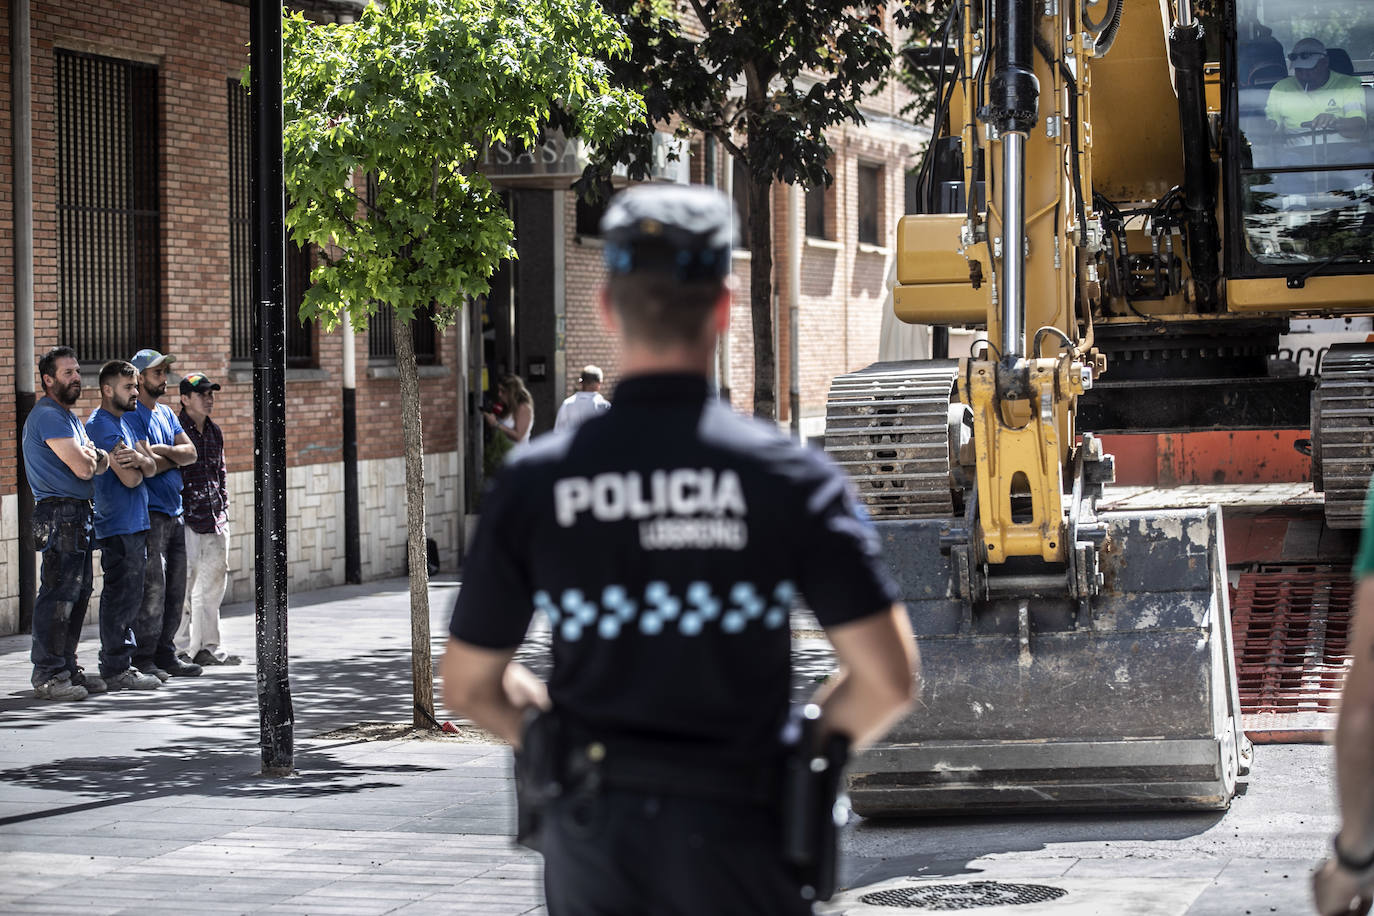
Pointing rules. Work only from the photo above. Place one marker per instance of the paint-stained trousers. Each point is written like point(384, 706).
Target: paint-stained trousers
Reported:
point(62, 530)
point(207, 574)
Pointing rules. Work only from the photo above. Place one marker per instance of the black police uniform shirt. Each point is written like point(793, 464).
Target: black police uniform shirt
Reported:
point(665, 541)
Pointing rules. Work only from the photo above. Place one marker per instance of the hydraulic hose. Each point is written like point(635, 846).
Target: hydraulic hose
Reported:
point(1186, 52)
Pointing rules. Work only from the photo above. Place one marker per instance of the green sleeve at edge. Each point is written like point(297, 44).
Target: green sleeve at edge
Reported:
point(1364, 560)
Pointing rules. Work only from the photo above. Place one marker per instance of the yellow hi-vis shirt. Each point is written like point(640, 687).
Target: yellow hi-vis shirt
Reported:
point(1290, 105)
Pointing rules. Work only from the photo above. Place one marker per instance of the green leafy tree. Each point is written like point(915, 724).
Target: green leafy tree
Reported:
point(410, 95)
point(926, 32)
point(766, 80)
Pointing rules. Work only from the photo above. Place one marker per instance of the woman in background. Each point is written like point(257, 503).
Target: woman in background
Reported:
point(518, 418)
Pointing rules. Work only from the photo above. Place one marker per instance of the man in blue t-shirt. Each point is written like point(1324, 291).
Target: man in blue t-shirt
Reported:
point(121, 523)
point(164, 584)
point(60, 461)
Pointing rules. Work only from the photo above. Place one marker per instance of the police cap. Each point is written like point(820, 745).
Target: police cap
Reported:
point(685, 230)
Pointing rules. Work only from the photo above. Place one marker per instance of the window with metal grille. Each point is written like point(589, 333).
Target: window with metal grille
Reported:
point(381, 348)
point(870, 186)
point(815, 212)
point(589, 213)
point(109, 286)
point(240, 224)
point(300, 336)
point(739, 187)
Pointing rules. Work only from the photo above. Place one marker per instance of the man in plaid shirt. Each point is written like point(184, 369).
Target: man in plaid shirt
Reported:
point(205, 494)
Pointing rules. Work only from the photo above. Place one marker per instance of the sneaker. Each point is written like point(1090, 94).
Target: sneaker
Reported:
point(178, 668)
point(91, 682)
point(59, 688)
point(132, 679)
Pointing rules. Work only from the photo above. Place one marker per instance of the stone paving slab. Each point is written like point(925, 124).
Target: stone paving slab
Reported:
point(120, 803)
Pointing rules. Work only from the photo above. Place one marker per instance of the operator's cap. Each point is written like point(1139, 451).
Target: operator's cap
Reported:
point(685, 230)
point(1307, 53)
point(591, 374)
point(198, 382)
point(148, 358)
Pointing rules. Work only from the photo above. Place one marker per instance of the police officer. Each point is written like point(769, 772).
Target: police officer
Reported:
point(665, 541)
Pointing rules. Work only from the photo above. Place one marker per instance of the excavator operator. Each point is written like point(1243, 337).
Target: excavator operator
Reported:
point(1315, 97)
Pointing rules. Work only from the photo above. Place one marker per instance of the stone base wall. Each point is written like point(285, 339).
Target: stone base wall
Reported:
point(9, 564)
point(315, 521)
point(315, 528)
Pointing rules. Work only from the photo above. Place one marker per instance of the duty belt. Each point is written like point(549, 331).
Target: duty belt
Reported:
point(663, 768)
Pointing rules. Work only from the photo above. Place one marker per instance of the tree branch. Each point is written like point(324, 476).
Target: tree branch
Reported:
point(705, 14)
point(371, 208)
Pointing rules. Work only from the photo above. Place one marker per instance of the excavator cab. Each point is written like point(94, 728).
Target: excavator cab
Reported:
point(1299, 90)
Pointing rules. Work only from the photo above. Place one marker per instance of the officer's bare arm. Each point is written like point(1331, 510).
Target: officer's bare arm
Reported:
point(1336, 886)
point(880, 671)
point(177, 455)
point(83, 460)
point(489, 688)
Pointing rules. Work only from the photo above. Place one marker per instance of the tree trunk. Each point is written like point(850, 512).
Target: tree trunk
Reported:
point(417, 557)
point(761, 296)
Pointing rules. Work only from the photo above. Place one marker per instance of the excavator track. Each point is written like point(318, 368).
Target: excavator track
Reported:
point(1343, 431)
point(888, 426)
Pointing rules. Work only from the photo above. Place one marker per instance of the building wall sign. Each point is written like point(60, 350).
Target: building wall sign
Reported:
point(563, 159)
point(554, 157)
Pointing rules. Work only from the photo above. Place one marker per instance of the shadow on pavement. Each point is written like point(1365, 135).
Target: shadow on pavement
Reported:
point(201, 768)
point(953, 844)
point(326, 694)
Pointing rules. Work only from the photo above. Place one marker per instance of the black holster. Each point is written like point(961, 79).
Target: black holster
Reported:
point(812, 813)
point(539, 775)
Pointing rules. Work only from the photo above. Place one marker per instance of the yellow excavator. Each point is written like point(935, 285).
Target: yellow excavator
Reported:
point(1132, 199)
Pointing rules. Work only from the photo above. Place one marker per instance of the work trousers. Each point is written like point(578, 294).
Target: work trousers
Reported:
point(207, 574)
point(62, 531)
point(622, 853)
point(124, 561)
point(164, 591)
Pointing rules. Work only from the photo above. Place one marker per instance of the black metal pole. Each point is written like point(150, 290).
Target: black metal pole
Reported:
point(21, 152)
point(353, 563)
point(269, 388)
point(28, 575)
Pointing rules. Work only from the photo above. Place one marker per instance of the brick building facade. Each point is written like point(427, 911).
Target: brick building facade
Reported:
point(183, 284)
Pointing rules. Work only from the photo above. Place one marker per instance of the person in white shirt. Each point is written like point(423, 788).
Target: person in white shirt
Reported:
point(585, 404)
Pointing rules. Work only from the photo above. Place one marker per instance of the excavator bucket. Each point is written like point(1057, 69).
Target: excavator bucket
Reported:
point(1040, 701)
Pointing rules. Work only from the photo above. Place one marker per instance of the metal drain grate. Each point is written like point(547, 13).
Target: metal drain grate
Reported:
point(1291, 627)
point(963, 896)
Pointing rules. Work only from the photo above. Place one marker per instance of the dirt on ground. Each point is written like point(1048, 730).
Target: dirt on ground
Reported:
point(460, 732)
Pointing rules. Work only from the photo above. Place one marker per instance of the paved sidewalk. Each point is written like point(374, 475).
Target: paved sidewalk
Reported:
point(153, 798)
point(134, 800)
